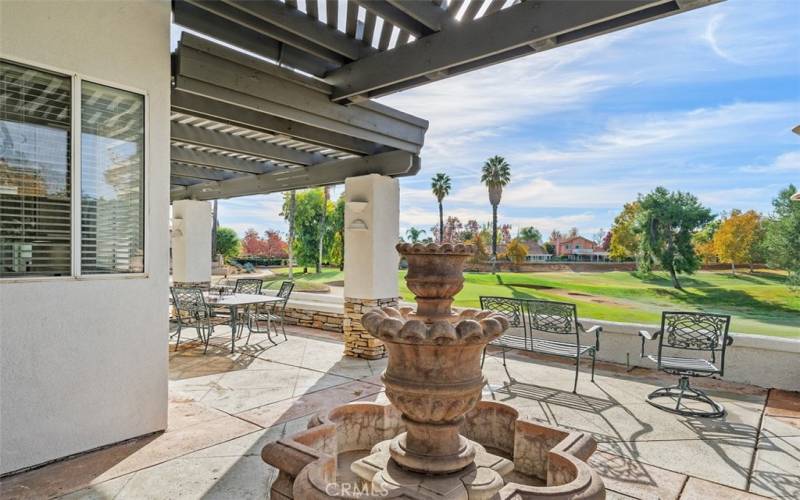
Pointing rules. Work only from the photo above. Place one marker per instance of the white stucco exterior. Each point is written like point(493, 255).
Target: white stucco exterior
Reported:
point(83, 362)
point(371, 226)
point(191, 241)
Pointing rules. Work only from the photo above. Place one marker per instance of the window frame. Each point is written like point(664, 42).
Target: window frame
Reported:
point(76, 164)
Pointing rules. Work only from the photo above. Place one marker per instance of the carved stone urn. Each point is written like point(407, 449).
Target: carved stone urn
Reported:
point(434, 372)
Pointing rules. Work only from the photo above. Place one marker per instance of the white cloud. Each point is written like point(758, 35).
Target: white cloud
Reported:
point(786, 162)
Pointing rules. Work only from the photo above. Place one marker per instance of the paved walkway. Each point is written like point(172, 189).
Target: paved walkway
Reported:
point(224, 407)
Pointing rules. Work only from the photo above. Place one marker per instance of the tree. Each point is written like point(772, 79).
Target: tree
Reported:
point(227, 242)
point(252, 243)
point(335, 233)
point(555, 235)
point(530, 234)
point(307, 213)
point(666, 223)
point(413, 234)
point(471, 229)
point(605, 244)
point(336, 253)
point(274, 246)
point(496, 174)
point(624, 240)
point(288, 213)
point(782, 236)
point(440, 185)
point(737, 238)
point(324, 212)
point(573, 232)
point(504, 234)
point(480, 254)
point(517, 251)
point(703, 241)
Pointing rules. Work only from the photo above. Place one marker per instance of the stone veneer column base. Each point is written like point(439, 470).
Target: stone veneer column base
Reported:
point(357, 342)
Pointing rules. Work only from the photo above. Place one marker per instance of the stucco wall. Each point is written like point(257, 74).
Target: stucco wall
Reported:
point(83, 363)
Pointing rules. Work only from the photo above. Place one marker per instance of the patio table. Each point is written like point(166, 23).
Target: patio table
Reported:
point(233, 301)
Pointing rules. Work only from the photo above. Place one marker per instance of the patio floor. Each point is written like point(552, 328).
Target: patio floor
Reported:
point(224, 407)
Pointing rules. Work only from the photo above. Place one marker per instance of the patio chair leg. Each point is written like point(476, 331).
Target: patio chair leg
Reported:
point(594, 358)
point(269, 331)
point(577, 368)
point(178, 340)
point(208, 338)
point(483, 357)
point(505, 367)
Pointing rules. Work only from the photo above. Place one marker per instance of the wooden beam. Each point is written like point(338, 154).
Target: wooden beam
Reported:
point(426, 12)
point(253, 23)
point(206, 159)
point(228, 75)
point(394, 164)
point(221, 29)
point(238, 144)
point(253, 119)
point(491, 37)
point(294, 21)
point(202, 173)
point(396, 17)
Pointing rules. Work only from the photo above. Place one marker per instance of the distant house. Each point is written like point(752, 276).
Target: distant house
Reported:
point(536, 253)
point(580, 249)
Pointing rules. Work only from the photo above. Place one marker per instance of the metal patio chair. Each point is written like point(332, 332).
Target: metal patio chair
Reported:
point(192, 310)
point(683, 334)
point(271, 313)
point(548, 317)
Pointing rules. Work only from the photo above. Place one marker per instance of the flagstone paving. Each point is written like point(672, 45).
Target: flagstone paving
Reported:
point(223, 408)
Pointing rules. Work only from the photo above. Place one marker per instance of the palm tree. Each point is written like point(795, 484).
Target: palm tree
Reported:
point(496, 173)
point(414, 234)
point(440, 185)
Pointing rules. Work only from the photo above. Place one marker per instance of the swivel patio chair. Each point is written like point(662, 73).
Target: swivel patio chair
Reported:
point(545, 317)
point(271, 313)
point(192, 310)
point(696, 333)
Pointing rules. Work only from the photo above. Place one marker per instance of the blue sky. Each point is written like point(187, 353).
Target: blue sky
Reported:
point(702, 102)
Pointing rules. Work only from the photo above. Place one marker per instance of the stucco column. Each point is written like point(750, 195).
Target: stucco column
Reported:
point(191, 242)
point(372, 225)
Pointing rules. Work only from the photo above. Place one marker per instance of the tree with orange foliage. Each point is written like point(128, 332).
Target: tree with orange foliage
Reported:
point(738, 237)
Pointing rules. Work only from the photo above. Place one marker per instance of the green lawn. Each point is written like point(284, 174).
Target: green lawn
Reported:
point(760, 303)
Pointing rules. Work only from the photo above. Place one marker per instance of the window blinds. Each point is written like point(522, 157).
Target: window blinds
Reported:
point(34, 172)
point(112, 176)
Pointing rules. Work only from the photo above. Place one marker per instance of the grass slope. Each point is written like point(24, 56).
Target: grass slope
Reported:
point(759, 303)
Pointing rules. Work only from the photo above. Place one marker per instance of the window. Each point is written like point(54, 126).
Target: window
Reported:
point(112, 171)
point(35, 187)
point(41, 211)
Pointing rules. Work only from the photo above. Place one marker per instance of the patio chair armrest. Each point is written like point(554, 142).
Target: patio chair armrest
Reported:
point(596, 330)
point(728, 341)
point(645, 335)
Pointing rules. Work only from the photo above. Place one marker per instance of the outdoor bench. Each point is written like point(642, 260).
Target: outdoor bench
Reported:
point(527, 317)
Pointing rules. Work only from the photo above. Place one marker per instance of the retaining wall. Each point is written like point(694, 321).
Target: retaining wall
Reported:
point(769, 362)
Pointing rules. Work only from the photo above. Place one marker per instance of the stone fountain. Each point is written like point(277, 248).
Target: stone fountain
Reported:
point(437, 439)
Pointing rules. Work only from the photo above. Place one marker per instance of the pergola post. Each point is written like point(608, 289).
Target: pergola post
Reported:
point(372, 225)
point(191, 243)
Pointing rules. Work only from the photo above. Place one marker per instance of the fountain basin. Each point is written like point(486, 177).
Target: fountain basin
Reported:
point(535, 461)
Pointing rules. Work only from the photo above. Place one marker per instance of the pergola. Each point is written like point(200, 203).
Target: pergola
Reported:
point(297, 111)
